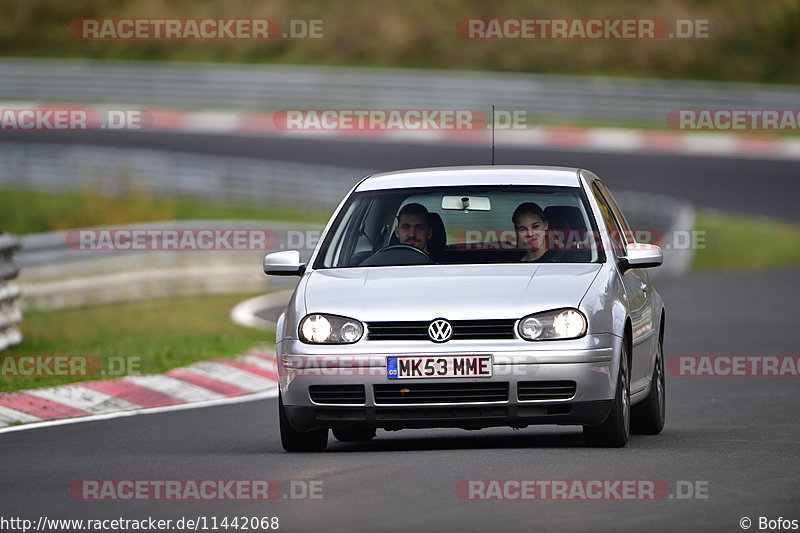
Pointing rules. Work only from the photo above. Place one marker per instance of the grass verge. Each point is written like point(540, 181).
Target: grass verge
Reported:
point(734, 242)
point(24, 211)
point(745, 41)
point(154, 336)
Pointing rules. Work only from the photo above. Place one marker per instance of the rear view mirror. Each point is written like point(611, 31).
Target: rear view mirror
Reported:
point(284, 264)
point(638, 255)
point(466, 203)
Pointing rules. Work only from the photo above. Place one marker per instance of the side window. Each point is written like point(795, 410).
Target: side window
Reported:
point(614, 230)
point(629, 236)
point(334, 254)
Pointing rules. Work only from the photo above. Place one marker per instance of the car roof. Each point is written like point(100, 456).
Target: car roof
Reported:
point(472, 175)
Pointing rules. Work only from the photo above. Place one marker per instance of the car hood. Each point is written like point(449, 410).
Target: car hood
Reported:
point(455, 292)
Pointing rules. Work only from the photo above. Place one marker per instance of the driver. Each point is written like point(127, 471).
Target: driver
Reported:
point(531, 226)
point(413, 228)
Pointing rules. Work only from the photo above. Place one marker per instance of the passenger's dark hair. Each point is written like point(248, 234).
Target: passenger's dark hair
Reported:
point(528, 207)
point(413, 209)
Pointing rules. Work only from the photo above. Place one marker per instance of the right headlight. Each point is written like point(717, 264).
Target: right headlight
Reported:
point(553, 325)
point(320, 328)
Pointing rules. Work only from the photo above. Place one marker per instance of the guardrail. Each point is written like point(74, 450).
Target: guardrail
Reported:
point(107, 170)
point(10, 315)
point(271, 87)
point(52, 249)
point(223, 179)
point(58, 275)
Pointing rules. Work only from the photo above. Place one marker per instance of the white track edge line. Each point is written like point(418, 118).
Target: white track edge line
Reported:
point(145, 411)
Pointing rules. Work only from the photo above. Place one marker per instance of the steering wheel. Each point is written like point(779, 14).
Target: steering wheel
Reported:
point(402, 247)
point(397, 254)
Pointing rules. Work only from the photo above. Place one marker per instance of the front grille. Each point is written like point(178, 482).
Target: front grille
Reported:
point(355, 394)
point(403, 393)
point(546, 390)
point(462, 330)
point(440, 413)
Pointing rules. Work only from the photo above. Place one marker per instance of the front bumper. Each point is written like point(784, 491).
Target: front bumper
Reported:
point(589, 362)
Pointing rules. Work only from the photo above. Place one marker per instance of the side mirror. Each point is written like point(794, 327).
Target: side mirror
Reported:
point(284, 264)
point(638, 255)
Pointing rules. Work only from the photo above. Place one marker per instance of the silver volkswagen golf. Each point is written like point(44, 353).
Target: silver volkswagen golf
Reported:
point(472, 297)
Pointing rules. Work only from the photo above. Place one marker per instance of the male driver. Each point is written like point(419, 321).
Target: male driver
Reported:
point(413, 228)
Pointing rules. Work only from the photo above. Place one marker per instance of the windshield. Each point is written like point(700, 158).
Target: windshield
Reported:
point(462, 225)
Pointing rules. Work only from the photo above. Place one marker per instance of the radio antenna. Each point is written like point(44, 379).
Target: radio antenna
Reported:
point(492, 135)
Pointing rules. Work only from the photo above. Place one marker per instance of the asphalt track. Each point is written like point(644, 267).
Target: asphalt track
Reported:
point(736, 436)
point(766, 187)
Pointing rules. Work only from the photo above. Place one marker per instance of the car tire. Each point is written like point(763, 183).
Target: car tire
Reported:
point(354, 434)
point(295, 441)
point(647, 417)
point(614, 432)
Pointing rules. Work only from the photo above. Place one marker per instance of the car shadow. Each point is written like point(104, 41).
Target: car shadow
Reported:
point(385, 442)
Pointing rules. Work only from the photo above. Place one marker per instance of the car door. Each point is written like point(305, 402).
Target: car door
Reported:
point(637, 286)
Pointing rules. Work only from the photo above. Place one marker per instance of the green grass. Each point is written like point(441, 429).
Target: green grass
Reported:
point(23, 211)
point(748, 41)
point(653, 126)
point(734, 242)
point(157, 335)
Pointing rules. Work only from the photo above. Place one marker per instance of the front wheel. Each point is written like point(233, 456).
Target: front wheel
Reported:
point(295, 441)
point(647, 418)
point(614, 432)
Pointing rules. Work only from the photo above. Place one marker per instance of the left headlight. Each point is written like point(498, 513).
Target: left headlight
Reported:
point(330, 329)
point(553, 325)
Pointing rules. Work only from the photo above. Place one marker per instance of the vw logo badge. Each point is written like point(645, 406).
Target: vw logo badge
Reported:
point(440, 330)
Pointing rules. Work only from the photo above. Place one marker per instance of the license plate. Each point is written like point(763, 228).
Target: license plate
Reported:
point(442, 366)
